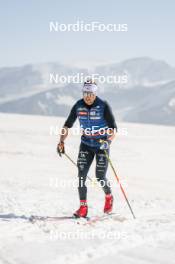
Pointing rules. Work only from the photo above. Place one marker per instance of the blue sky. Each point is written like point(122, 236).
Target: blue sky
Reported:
point(25, 36)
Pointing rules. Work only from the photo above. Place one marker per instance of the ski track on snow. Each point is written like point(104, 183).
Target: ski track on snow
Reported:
point(29, 164)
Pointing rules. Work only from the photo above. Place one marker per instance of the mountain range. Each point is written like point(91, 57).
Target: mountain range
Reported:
point(147, 97)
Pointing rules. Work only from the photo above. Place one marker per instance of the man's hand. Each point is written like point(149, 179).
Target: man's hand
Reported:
point(104, 144)
point(60, 148)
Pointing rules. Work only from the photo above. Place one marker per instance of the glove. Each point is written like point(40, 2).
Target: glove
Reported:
point(60, 148)
point(104, 144)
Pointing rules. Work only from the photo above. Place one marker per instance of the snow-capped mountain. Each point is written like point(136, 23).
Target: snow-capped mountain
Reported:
point(141, 71)
point(28, 80)
point(148, 96)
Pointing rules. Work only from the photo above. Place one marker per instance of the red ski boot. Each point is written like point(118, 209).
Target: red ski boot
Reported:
point(108, 203)
point(83, 210)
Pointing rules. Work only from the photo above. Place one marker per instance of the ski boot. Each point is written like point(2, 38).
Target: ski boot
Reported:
point(108, 203)
point(83, 210)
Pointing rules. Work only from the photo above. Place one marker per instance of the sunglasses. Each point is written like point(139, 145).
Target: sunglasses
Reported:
point(90, 94)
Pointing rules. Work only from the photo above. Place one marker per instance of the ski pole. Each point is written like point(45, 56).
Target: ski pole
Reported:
point(73, 162)
point(110, 162)
point(70, 159)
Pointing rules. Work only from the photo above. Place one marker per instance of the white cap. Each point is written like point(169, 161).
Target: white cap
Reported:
point(90, 87)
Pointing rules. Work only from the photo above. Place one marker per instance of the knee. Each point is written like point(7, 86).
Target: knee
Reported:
point(99, 176)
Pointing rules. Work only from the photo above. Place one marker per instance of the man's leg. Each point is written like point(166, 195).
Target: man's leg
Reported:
point(84, 162)
point(101, 169)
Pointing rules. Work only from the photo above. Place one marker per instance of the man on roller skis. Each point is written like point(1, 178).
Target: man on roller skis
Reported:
point(99, 127)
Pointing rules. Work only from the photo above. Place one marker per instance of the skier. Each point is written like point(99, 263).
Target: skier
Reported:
point(99, 127)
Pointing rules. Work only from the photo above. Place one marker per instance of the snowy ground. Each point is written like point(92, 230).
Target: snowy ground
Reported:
point(31, 183)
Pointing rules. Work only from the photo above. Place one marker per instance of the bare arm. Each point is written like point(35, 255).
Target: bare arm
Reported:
point(112, 134)
point(64, 134)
